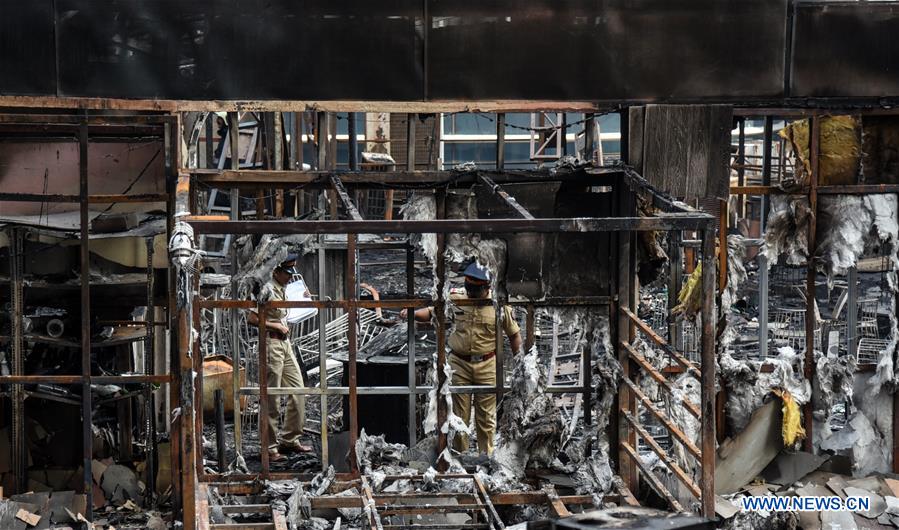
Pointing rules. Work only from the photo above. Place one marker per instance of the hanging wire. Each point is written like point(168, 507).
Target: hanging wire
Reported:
point(487, 116)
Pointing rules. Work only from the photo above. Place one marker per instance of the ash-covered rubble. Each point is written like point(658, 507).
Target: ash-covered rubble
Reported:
point(532, 439)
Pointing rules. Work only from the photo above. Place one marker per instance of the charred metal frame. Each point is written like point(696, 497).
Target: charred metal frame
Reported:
point(189, 477)
point(671, 217)
point(812, 191)
point(80, 128)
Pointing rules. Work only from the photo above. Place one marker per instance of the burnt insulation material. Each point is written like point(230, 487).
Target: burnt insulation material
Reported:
point(453, 424)
point(834, 379)
point(528, 415)
point(422, 206)
point(652, 260)
point(747, 385)
point(847, 226)
point(736, 277)
point(786, 234)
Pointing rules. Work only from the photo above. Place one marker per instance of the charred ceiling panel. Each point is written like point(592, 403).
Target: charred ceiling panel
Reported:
point(606, 49)
point(527, 259)
point(846, 49)
point(52, 168)
point(539, 265)
point(623, 50)
point(259, 49)
point(27, 51)
point(880, 149)
point(580, 264)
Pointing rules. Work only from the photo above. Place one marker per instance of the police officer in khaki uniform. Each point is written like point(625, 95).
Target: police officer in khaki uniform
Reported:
point(472, 346)
point(283, 370)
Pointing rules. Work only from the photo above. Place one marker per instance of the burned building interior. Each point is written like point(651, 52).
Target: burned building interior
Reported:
point(239, 262)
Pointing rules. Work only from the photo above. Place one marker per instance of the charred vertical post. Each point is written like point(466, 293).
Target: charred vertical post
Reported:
point(741, 163)
point(262, 311)
point(500, 140)
point(500, 314)
point(220, 430)
point(440, 317)
point(707, 375)
point(299, 128)
point(675, 279)
point(811, 272)
point(183, 381)
point(84, 247)
point(150, 369)
point(852, 313)
point(210, 138)
point(410, 344)
point(353, 158)
point(410, 141)
point(187, 453)
point(352, 346)
point(279, 162)
point(530, 328)
point(197, 373)
point(323, 354)
point(625, 332)
point(722, 244)
point(19, 448)
point(327, 158)
point(173, 319)
point(589, 137)
point(763, 221)
point(234, 215)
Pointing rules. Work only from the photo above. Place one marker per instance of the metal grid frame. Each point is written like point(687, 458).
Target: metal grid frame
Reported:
point(811, 191)
point(625, 184)
point(80, 128)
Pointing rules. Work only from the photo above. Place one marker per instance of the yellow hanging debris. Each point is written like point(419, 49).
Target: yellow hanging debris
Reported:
point(839, 149)
point(690, 296)
point(792, 418)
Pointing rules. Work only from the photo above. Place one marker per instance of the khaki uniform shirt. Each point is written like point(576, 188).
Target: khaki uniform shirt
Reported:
point(278, 349)
point(475, 327)
point(273, 291)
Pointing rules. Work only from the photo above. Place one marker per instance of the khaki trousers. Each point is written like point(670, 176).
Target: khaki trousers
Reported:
point(468, 373)
point(283, 371)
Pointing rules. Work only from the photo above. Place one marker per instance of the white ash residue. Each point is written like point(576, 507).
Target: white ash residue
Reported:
point(298, 506)
point(453, 424)
point(745, 520)
point(885, 374)
point(847, 226)
point(786, 233)
point(834, 376)
point(529, 416)
point(686, 389)
point(747, 393)
point(422, 206)
point(736, 271)
point(375, 455)
point(850, 224)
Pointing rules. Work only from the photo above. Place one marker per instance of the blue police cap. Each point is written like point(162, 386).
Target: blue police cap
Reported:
point(476, 271)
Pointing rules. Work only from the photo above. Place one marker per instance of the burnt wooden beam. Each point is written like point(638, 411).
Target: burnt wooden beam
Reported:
point(215, 225)
point(421, 179)
point(504, 195)
point(351, 209)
